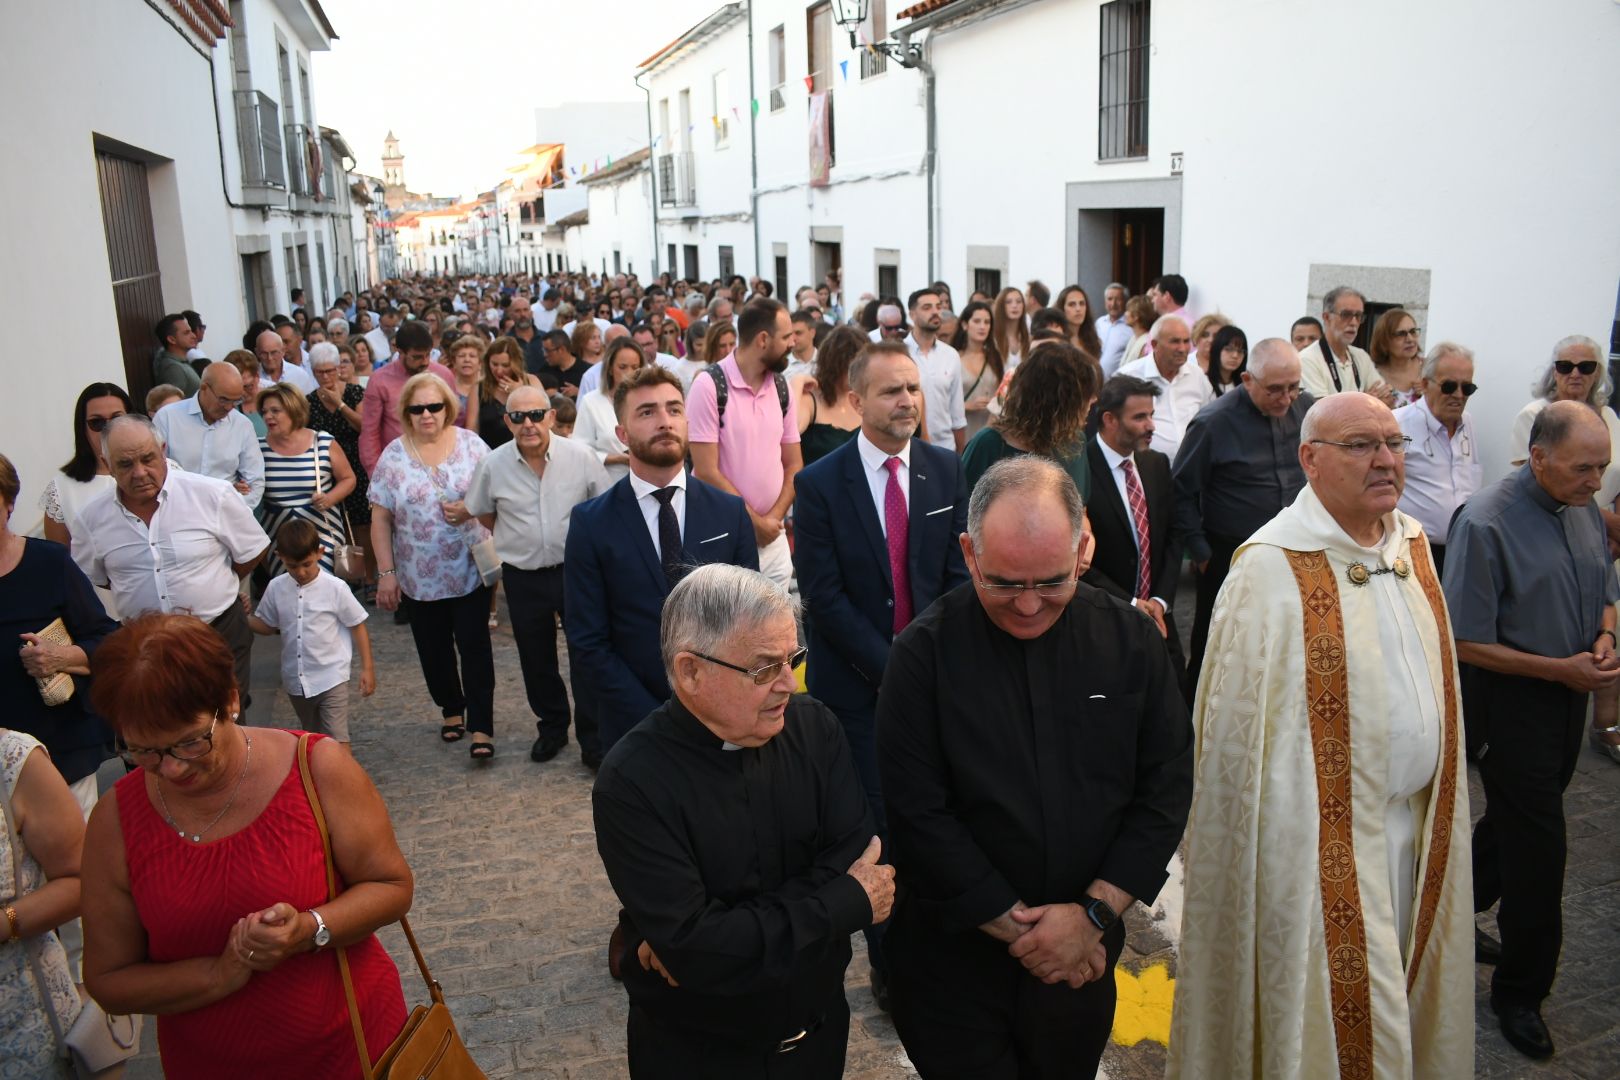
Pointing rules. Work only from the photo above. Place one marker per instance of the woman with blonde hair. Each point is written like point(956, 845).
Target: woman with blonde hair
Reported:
point(424, 536)
point(1203, 336)
point(306, 473)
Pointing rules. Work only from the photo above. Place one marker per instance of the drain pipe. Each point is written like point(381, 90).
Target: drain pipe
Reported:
point(652, 173)
point(913, 57)
point(753, 146)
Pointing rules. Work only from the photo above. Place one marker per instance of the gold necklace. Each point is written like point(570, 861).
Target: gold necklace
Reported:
point(196, 837)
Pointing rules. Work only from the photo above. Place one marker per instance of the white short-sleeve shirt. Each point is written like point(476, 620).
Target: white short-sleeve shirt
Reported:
point(315, 621)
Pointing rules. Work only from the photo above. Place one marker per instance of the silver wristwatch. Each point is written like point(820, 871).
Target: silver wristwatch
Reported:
point(323, 936)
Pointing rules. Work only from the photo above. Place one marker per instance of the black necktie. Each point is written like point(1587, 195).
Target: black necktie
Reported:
point(669, 534)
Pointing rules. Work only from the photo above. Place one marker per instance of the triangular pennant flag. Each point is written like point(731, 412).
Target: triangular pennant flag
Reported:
point(810, 83)
point(735, 113)
point(755, 104)
point(691, 128)
point(656, 140)
point(843, 66)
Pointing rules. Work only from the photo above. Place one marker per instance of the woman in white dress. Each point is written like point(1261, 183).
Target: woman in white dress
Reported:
point(86, 476)
point(597, 420)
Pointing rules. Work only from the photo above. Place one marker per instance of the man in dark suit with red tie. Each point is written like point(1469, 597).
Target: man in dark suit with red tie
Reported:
point(876, 528)
point(1133, 508)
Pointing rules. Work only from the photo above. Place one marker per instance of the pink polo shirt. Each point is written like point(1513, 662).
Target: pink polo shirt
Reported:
point(752, 438)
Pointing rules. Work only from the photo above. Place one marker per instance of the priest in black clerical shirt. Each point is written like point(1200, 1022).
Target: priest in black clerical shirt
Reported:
point(1036, 759)
point(737, 835)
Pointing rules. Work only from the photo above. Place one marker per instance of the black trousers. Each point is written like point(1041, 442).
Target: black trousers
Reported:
point(991, 1019)
point(232, 625)
point(443, 628)
point(1439, 553)
point(663, 1052)
point(1209, 587)
point(1528, 734)
point(860, 730)
point(534, 601)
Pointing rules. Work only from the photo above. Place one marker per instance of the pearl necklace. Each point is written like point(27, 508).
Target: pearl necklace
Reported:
point(196, 837)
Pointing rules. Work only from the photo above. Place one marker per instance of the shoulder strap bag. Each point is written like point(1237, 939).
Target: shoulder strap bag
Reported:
point(97, 1041)
point(428, 1047)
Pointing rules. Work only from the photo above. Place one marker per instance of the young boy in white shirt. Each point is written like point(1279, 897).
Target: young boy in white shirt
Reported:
point(310, 609)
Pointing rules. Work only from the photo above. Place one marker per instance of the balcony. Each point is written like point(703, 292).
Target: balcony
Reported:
point(258, 133)
point(677, 179)
point(303, 160)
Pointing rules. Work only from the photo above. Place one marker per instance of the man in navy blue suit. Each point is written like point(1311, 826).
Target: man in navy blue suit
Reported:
point(876, 528)
point(629, 546)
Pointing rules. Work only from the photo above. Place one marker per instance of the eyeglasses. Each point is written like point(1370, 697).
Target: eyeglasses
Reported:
point(765, 674)
point(1046, 590)
point(99, 423)
point(1564, 367)
point(1279, 389)
point(892, 329)
point(1363, 447)
point(228, 402)
point(520, 415)
point(185, 750)
point(1351, 316)
point(1409, 333)
point(1450, 387)
point(430, 407)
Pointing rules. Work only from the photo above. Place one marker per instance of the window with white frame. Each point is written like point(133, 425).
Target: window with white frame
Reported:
point(777, 51)
point(874, 30)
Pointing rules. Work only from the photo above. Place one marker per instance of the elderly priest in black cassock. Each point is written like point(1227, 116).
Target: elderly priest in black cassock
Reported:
point(738, 837)
point(1036, 758)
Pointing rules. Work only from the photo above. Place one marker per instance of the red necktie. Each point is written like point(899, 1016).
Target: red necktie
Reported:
point(897, 523)
point(1139, 519)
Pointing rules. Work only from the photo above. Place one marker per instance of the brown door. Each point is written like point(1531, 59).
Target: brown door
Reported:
point(126, 211)
point(1138, 248)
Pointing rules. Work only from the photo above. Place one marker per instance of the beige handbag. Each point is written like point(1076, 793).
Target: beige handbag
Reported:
point(58, 688)
point(429, 1047)
point(484, 556)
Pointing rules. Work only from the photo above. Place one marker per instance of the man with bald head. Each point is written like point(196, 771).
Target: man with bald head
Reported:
point(1037, 766)
point(274, 366)
point(208, 434)
point(1328, 899)
point(170, 541)
point(1532, 595)
point(524, 492)
point(1183, 386)
point(1238, 467)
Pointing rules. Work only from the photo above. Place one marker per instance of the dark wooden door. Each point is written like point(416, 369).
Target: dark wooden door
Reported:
point(126, 211)
point(1138, 248)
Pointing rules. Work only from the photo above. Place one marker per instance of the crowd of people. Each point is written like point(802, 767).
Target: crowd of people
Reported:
point(962, 530)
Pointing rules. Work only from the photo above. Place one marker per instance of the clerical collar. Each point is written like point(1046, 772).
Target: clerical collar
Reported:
point(1538, 494)
point(689, 726)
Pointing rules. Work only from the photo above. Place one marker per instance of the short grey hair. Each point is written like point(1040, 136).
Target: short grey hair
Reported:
point(323, 353)
point(1116, 285)
point(1330, 301)
point(129, 420)
point(714, 602)
point(1029, 474)
point(1547, 385)
point(1266, 352)
point(332, 326)
point(1161, 321)
point(1440, 351)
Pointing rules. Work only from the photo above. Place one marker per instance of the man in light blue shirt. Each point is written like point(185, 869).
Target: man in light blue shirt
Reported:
point(1112, 329)
point(207, 435)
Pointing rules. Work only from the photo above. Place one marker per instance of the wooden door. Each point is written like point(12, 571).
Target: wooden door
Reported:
point(137, 284)
point(1138, 247)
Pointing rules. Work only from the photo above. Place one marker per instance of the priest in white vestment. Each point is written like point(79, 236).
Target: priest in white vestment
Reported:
point(1328, 924)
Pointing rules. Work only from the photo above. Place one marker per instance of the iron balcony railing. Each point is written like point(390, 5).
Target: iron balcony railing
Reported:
point(677, 179)
point(258, 132)
point(302, 157)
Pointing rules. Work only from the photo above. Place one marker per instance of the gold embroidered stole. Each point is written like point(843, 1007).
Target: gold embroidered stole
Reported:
point(1327, 695)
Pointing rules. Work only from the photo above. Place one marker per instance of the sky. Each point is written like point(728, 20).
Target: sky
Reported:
point(458, 81)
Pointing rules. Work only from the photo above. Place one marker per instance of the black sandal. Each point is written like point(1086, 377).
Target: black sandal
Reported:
point(481, 751)
point(452, 732)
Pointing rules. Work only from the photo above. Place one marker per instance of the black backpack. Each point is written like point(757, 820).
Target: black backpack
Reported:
point(722, 388)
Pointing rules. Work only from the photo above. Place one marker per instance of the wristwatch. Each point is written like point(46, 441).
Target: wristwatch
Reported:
point(323, 936)
point(1101, 915)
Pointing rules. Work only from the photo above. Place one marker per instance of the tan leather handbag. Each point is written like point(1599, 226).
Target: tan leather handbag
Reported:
point(429, 1047)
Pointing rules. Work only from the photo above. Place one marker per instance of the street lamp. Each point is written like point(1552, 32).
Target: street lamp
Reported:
point(851, 15)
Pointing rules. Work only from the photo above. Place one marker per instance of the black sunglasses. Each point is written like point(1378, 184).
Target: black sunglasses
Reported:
point(99, 423)
point(1450, 387)
point(1564, 367)
point(536, 415)
point(432, 407)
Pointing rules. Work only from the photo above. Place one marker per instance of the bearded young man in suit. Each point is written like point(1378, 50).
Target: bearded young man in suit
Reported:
point(876, 528)
point(1132, 508)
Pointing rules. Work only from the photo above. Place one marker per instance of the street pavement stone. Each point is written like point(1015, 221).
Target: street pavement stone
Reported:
point(513, 909)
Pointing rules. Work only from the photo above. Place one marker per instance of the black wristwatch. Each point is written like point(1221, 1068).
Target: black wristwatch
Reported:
point(1101, 915)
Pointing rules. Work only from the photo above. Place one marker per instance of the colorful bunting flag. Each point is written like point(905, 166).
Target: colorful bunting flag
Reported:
point(843, 66)
point(755, 105)
point(809, 83)
point(735, 113)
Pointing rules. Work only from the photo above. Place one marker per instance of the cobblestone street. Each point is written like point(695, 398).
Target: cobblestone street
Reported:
point(513, 909)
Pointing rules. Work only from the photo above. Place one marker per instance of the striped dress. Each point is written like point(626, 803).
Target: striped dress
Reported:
point(289, 486)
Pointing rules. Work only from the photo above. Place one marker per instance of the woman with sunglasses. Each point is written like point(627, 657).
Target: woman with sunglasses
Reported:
point(85, 475)
point(424, 534)
point(205, 890)
point(1398, 355)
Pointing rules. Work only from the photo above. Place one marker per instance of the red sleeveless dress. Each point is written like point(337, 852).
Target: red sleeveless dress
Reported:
point(290, 1022)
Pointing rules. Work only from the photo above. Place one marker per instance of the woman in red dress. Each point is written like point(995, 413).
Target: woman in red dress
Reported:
point(205, 899)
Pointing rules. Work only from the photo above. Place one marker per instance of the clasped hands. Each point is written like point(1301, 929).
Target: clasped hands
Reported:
point(1056, 943)
point(261, 940)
